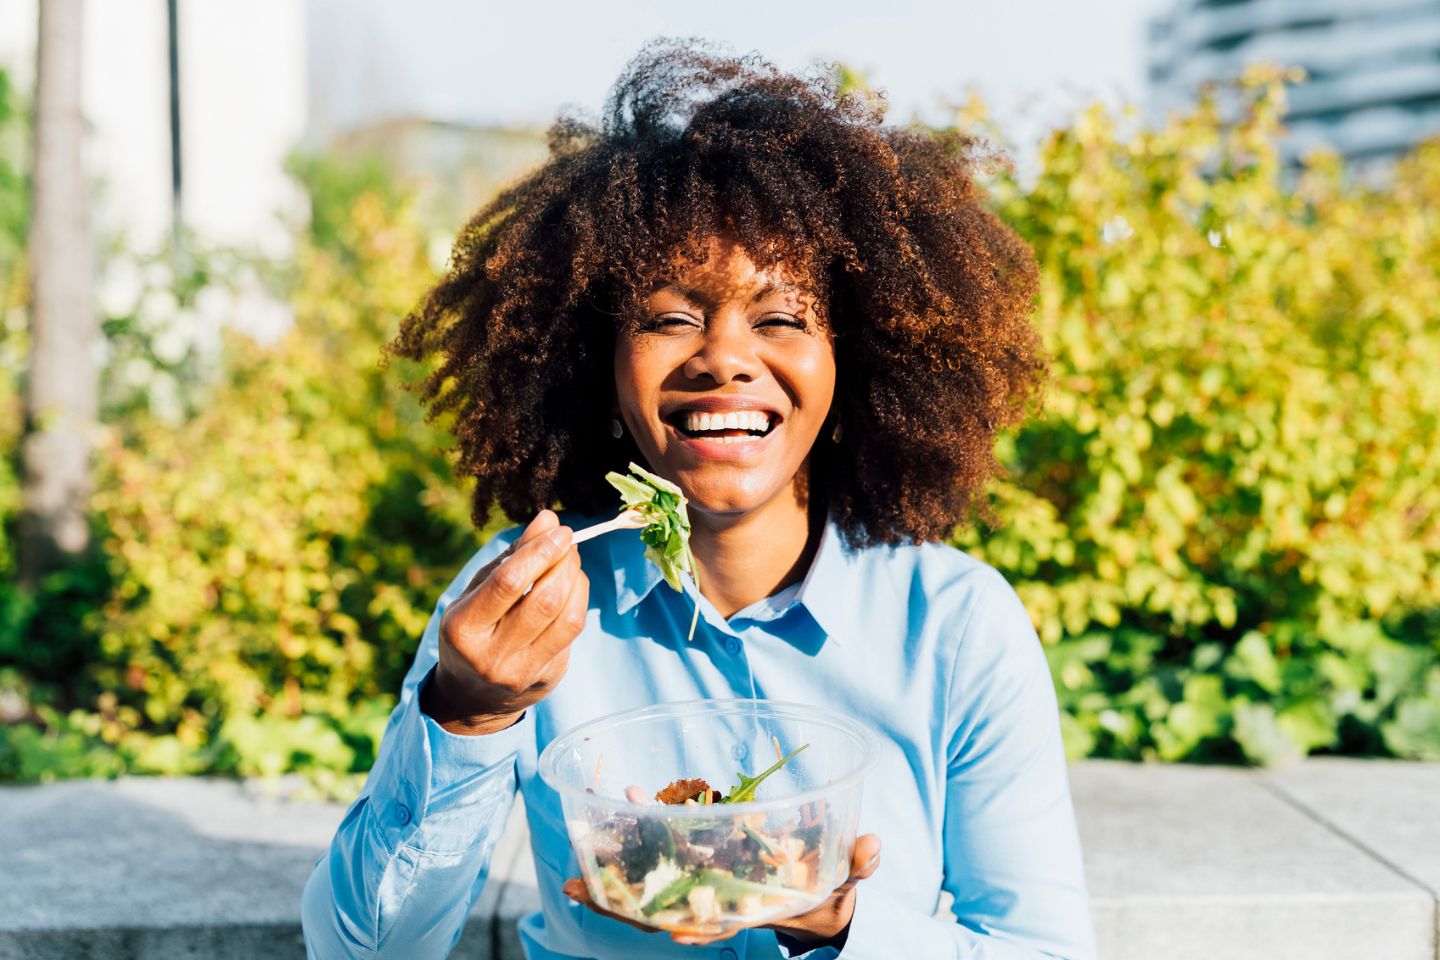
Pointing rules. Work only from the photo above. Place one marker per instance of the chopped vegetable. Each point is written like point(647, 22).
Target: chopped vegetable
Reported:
point(616, 887)
point(667, 534)
point(672, 894)
point(733, 888)
point(749, 832)
point(705, 873)
point(652, 842)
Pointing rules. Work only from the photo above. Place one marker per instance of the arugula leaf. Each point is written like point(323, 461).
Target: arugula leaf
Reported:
point(666, 534)
point(746, 788)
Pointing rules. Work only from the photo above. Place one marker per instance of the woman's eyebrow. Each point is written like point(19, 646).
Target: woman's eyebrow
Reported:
point(770, 288)
point(689, 293)
point(695, 296)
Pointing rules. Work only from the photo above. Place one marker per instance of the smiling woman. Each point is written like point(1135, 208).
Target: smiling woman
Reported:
point(810, 323)
point(923, 292)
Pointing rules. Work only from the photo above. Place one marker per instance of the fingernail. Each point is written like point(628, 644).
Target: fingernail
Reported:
point(560, 536)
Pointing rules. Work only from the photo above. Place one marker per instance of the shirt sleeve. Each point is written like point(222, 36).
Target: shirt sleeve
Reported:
point(1012, 850)
point(413, 851)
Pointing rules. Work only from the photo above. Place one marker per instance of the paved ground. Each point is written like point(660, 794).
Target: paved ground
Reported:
point(1327, 859)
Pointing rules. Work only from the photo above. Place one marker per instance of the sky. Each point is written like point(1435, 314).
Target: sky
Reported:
point(1034, 61)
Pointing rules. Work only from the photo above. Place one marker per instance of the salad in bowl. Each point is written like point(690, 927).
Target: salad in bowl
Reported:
point(658, 843)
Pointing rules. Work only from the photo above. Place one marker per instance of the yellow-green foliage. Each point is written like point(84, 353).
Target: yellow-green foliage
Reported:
point(276, 557)
point(1227, 524)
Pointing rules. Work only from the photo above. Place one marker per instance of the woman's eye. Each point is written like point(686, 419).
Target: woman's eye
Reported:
point(671, 322)
point(782, 321)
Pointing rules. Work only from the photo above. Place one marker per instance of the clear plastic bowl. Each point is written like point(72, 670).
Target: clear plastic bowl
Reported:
point(710, 868)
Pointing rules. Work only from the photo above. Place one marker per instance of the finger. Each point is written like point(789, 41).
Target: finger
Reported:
point(507, 583)
point(547, 600)
point(542, 522)
point(553, 643)
point(864, 861)
point(552, 671)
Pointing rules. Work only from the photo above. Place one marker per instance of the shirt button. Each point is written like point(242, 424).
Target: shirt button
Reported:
point(732, 645)
point(728, 954)
point(402, 814)
point(739, 751)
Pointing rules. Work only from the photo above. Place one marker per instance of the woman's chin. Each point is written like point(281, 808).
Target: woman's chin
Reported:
point(729, 492)
point(727, 480)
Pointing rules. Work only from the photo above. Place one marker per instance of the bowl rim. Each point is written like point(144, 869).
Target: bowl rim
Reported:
point(869, 740)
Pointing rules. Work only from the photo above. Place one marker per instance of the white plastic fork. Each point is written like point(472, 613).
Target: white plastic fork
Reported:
point(626, 520)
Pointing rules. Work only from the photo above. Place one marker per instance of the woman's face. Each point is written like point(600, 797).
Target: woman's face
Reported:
point(726, 379)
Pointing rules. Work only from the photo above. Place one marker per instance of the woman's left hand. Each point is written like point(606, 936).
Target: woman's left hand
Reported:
point(822, 925)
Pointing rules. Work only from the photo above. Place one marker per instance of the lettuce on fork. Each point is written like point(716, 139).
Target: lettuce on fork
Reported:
point(666, 533)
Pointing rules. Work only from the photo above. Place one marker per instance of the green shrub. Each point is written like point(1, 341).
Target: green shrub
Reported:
point(1224, 525)
point(276, 556)
point(1227, 524)
point(268, 562)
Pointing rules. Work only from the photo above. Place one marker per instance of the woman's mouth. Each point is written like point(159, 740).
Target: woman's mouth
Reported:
point(728, 435)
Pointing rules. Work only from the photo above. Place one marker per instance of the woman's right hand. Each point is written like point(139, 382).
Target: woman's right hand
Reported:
point(501, 648)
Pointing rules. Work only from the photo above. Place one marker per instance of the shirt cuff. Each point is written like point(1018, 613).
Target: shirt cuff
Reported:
point(432, 789)
point(455, 757)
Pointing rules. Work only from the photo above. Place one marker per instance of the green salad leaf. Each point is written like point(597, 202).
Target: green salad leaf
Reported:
point(747, 786)
point(666, 534)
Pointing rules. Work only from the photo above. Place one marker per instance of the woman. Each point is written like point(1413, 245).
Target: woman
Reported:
point(731, 240)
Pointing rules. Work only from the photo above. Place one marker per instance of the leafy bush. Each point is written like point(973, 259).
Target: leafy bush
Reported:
point(275, 556)
point(270, 560)
point(1227, 524)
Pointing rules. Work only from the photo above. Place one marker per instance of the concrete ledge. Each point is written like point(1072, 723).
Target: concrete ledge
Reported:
point(1193, 863)
point(1327, 859)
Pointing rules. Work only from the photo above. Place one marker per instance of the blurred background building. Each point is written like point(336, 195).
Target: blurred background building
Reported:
point(1373, 66)
point(459, 111)
point(442, 91)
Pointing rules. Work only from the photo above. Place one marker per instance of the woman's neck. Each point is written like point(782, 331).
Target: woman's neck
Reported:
point(744, 558)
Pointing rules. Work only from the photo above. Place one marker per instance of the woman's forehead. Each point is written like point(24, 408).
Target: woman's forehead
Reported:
point(731, 269)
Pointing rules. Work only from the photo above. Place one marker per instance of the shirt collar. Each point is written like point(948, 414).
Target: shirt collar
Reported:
point(825, 593)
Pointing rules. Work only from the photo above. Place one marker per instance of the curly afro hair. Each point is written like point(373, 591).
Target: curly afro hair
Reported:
point(927, 294)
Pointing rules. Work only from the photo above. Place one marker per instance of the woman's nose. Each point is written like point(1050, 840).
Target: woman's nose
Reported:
point(725, 355)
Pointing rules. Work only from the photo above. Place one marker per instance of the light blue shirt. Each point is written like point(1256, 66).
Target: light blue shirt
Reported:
point(928, 645)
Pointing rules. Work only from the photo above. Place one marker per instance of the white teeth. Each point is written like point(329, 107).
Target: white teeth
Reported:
point(696, 422)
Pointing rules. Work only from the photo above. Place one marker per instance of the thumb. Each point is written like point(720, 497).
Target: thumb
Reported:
point(866, 857)
point(545, 520)
point(542, 522)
